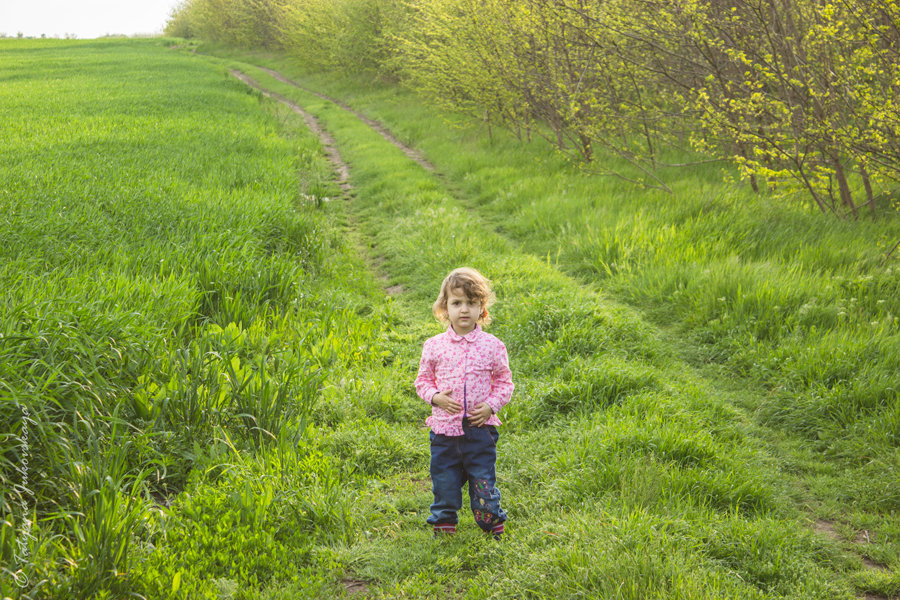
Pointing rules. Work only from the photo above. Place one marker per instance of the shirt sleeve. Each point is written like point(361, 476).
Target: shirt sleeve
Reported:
point(501, 380)
point(426, 387)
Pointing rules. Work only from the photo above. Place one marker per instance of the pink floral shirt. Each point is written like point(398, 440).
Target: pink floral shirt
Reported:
point(474, 366)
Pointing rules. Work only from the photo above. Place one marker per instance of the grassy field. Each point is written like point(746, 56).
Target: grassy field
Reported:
point(210, 394)
point(174, 305)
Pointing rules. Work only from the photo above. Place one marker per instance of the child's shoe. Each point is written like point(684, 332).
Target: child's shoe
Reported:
point(444, 529)
point(497, 531)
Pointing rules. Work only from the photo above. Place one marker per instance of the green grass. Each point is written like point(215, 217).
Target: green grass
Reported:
point(199, 358)
point(602, 421)
point(164, 269)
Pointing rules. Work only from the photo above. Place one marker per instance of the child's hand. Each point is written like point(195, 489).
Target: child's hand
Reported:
point(480, 414)
point(445, 401)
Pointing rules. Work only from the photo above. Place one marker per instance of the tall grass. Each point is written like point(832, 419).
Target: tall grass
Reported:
point(164, 270)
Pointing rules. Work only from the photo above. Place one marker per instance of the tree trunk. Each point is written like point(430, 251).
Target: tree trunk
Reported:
point(587, 150)
point(844, 188)
point(742, 150)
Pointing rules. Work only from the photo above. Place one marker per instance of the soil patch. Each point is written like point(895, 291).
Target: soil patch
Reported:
point(862, 538)
point(826, 528)
point(355, 587)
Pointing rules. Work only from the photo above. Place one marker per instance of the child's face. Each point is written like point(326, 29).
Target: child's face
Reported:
point(462, 311)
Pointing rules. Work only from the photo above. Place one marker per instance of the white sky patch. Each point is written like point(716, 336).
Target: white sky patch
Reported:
point(84, 18)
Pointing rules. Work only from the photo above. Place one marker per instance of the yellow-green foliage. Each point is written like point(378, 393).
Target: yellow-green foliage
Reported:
point(572, 68)
point(351, 35)
point(463, 59)
point(801, 94)
point(806, 92)
point(180, 21)
point(243, 23)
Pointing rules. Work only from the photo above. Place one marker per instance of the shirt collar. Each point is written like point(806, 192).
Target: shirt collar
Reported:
point(469, 337)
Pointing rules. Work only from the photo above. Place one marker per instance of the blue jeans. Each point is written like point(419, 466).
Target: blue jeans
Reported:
point(470, 457)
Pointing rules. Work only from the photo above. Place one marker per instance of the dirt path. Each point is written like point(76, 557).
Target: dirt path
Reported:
point(330, 148)
point(821, 527)
point(341, 168)
point(379, 128)
point(334, 156)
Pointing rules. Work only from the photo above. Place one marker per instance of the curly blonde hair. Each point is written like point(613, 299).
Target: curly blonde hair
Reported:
point(474, 285)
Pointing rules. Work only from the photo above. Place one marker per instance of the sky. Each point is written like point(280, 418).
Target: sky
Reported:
point(84, 18)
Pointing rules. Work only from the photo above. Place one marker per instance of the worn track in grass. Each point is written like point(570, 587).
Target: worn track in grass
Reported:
point(338, 164)
point(823, 528)
point(341, 169)
point(383, 131)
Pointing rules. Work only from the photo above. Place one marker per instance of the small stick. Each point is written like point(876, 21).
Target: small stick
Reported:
point(888, 255)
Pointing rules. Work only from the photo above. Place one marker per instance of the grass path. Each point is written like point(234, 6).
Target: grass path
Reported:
point(388, 210)
point(379, 128)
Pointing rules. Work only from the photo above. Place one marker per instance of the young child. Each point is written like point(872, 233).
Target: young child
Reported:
point(464, 375)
